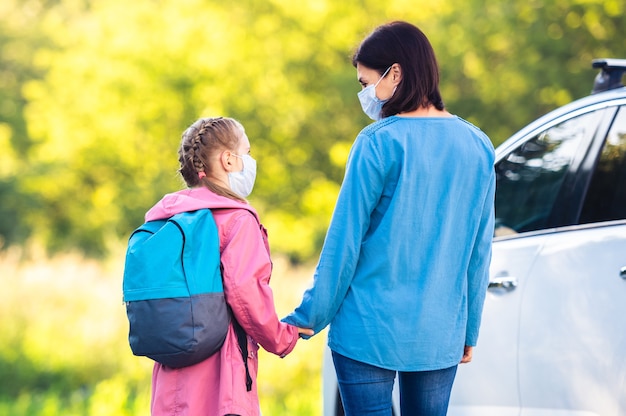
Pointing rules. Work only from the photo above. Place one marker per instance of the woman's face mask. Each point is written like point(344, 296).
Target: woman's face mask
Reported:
point(242, 182)
point(370, 103)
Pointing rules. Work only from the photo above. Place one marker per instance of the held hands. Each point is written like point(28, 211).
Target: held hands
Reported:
point(467, 354)
point(305, 331)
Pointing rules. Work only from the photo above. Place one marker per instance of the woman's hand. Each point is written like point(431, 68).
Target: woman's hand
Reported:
point(467, 354)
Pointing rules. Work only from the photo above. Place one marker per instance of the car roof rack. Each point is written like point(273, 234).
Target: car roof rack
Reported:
point(610, 76)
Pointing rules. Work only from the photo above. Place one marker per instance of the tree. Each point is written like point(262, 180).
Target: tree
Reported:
point(17, 45)
point(104, 90)
point(508, 62)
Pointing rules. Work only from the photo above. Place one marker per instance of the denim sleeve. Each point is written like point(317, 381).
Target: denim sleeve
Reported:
point(478, 273)
point(360, 191)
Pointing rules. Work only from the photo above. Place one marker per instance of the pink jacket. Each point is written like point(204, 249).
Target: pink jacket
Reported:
point(217, 385)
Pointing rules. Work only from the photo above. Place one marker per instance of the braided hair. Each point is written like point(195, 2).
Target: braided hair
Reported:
point(203, 139)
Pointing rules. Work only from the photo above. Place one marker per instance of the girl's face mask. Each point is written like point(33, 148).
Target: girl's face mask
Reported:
point(242, 182)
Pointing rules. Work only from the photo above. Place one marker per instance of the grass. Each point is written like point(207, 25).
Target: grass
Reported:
point(64, 347)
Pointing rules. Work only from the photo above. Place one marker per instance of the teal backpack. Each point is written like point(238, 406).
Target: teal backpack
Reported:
point(173, 290)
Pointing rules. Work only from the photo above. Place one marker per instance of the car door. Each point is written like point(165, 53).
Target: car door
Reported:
point(535, 174)
point(489, 385)
point(573, 313)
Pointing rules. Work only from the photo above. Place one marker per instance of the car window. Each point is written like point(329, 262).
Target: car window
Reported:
point(529, 178)
point(606, 197)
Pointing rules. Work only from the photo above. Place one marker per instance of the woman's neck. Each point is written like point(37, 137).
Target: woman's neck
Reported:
point(429, 111)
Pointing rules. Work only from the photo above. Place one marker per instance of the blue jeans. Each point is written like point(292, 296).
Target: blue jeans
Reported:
point(366, 389)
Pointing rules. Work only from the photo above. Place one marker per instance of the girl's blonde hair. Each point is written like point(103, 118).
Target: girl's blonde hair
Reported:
point(203, 139)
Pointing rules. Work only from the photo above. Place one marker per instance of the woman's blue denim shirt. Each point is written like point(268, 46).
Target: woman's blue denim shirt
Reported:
point(403, 272)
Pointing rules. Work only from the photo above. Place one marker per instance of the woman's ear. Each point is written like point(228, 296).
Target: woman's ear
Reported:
point(396, 73)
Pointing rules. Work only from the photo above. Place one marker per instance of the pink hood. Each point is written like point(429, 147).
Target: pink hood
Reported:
point(191, 200)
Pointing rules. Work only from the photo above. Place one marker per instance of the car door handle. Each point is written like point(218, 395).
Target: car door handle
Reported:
point(502, 284)
point(622, 272)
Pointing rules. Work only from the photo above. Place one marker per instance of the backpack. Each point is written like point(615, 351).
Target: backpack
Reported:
point(173, 290)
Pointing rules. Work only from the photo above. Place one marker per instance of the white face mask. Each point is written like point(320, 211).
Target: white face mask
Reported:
point(242, 182)
point(370, 103)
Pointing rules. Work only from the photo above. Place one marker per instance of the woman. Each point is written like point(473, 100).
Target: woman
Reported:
point(216, 165)
point(403, 271)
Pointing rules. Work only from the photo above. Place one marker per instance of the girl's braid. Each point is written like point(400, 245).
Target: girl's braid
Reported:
point(195, 155)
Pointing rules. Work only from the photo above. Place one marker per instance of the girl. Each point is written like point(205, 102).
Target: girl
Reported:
point(216, 165)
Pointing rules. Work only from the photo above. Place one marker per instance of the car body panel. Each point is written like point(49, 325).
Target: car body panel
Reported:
point(574, 359)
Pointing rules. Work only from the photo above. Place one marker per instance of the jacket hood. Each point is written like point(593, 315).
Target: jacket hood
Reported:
point(191, 200)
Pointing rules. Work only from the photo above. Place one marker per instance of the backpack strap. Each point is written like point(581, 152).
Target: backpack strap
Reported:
point(242, 339)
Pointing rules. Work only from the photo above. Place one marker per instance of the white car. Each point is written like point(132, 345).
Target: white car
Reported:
point(553, 335)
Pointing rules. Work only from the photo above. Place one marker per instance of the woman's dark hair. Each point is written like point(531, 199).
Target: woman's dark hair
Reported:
point(404, 44)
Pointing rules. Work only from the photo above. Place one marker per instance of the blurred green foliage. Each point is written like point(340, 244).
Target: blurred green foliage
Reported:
point(64, 349)
point(94, 96)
